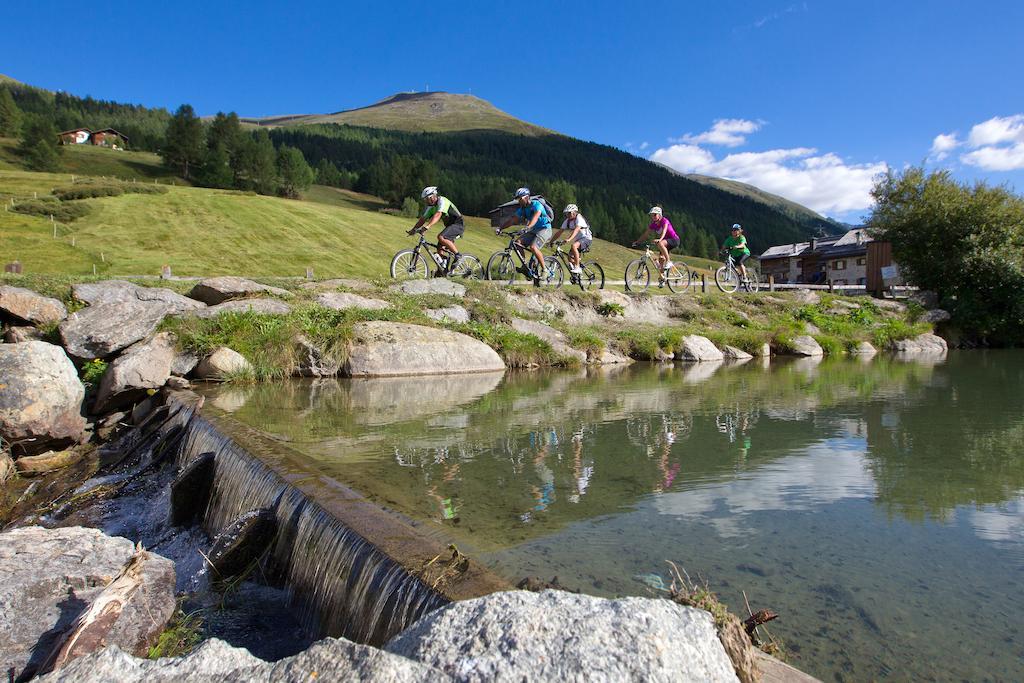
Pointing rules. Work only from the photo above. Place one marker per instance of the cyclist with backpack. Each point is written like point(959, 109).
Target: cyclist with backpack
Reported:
point(663, 234)
point(442, 209)
point(736, 245)
point(537, 232)
point(580, 236)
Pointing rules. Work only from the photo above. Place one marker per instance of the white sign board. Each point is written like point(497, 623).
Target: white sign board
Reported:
point(890, 272)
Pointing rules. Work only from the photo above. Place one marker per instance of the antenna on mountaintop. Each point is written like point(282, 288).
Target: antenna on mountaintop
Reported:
point(427, 89)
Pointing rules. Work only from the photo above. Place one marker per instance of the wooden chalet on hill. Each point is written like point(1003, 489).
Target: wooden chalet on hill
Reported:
point(107, 137)
point(852, 258)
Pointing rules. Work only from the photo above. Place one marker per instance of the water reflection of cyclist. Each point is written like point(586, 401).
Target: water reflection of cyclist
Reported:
point(668, 469)
point(544, 494)
point(582, 469)
point(448, 506)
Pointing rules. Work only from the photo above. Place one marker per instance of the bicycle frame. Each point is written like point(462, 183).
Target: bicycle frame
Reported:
point(519, 250)
point(425, 245)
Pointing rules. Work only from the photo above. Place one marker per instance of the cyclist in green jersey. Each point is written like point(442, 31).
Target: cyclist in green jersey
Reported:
point(441, 209)
point(736, 245)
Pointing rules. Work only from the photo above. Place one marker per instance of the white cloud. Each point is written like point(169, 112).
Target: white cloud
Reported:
point(823, 182)
point(942, 145)
point(996, 144)
point(725, 132)
point(644, 145)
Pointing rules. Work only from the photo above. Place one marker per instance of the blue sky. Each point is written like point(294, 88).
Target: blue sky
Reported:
point(808, 99)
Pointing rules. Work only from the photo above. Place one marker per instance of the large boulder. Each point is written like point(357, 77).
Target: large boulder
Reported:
point(221, 364)
point(216, 290)
point(864, 348)
point(331, 659)
point(41, 397)
point(936, 315)
point(609, 357)
point(104, 329)
point(698, 349)
point(450, 314)
point(340, 301)
point(925, 343)
point(386, 349)
point(119, 291)
point(804, 345)
point(50, 578)
point(435, 285)
point(558, 636)
point(264, 306)
point(144, 366)
point(735, 353)
point(22, 333)
point(29, 307)
point(559, 342)
point(313, 361)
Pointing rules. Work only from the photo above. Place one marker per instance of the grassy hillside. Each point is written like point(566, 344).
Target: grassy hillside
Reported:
point(97, 161)
point(791, 208)
point(419, 112)
point(202, 232)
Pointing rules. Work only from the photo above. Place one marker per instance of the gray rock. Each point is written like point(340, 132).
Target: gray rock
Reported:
point(925, 298)
point(805, 345)
point(191, 488)
point(237, 547)
point(559, 342)
point(764, 351)
point(144, 366)
point(557, 636)
point(50, 578)
point(451, 314)
point(386, 349)
point(733, 353)
point(435, 285)
point(925, 343)
point(313, 361)
point(811, 328)
point(331, 659)
point(806, 296)
point(264, 306)
point(339, 301)
point(663, 356)
point(26, 305)
point(178, 383)
point(18, 334)
point(327, 285)
point(610, 357)
point(222, 363)
point(216, 290)
point(41, 399)
point(890, 305)
point(6, 468)
point(696, 349)
point(120, 291)
point(104, 329)
point(864, 349)
point(936, 315)
point(184, 362)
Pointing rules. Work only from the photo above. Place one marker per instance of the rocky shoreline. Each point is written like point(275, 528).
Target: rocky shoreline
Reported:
point(82, 384)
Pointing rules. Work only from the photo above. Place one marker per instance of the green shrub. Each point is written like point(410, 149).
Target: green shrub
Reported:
point(88, 191)
point(831, 345)
point(62, 212)
point(92, 372)
point(586, 339)
point(517, 349)
point(610, 309)
point(895, 329)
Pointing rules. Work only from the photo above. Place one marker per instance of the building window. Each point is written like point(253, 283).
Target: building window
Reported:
point(799, 264)
point(839, 265)
point(862, 281)
point(862, 262)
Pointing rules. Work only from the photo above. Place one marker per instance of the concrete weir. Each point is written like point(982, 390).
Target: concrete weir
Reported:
point(351, 568)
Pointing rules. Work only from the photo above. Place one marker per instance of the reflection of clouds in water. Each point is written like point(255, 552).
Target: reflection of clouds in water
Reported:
point(822, 474)
point(1002, 525)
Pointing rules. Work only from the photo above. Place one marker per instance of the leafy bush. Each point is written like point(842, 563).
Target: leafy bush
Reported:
point(88, 191)
point(517, 349)
point(62, 212)
point(610, 309)
point(92, 372)
point(895, 329)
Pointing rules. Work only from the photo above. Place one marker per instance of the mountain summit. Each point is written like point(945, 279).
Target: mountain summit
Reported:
point(433, 112)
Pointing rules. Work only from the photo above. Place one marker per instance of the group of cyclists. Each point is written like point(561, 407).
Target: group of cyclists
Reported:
point(537, 228)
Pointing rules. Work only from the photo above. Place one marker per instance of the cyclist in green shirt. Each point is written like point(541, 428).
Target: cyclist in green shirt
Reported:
point(441, 209)
point(736, 245)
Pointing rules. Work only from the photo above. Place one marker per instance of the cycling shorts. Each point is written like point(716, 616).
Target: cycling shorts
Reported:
point(454, 230)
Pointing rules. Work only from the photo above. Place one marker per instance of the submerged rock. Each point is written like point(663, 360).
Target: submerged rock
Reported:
point(386, 349)
point(41, 400)
point(558, 636)
point(191, 489)
point(52, 575)
point(697, 349)
point(241, 544)
point(27, 306)
point(215, 290)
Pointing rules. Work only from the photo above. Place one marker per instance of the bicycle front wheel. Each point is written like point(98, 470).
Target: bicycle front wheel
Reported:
point(491, 272)
point(592, 276)
point(408, 265)
point(752, 286)
point(503, 269)
point(638, 276)
point(678, 277)
point(727, 279)
point(468, 268)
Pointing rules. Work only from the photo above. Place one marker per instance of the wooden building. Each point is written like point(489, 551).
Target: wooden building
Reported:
point(75, 136)
point(108, 137)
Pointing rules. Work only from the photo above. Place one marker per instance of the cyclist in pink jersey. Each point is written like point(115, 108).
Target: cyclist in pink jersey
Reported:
point(661, 232)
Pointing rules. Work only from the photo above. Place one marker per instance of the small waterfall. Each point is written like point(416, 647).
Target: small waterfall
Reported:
point(341, 584)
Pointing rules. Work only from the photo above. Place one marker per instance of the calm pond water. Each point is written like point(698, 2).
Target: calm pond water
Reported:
point(877, 506)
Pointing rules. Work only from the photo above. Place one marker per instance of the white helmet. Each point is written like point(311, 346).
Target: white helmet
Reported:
point(522, 192)
point(655, 210)
point(427, 191)
point(570, 208)
point(737, 226)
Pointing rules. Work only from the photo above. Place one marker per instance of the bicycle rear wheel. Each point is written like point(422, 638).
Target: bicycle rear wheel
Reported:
point(553, 275)
point(408, 265)
point(638, 276)
point(468, 268)
point(678, 277)
point(592, 276)
point(504, 269)
point(752, 285)
point(727, 279)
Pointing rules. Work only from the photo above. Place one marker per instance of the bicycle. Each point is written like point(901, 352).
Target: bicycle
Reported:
point(591, 273)
point(638, 273)
point(728, 278)
point(502, 268)
point(409, 264)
